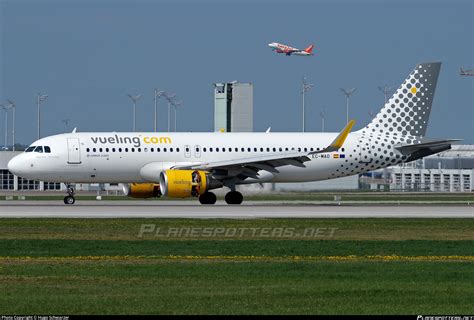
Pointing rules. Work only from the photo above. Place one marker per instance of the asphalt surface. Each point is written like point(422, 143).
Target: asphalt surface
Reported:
point(189, 209)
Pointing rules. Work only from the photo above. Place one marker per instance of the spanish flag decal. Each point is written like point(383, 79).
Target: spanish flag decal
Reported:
point(335, 156)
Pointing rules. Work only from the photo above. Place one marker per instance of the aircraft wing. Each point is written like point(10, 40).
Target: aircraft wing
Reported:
point(249, 167)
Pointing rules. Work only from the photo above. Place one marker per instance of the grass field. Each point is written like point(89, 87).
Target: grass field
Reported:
point(362, 266)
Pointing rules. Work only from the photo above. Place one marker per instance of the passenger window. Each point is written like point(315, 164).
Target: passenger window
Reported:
point(217, 149)
point(236, 149)
point(261, 149)
point(113, 149)
point(286, 149)
point(120, 149)
point(152, 149)
point(126, 149)
point(230, 149)
point(242, 149)
point(30, 149)
point(106, 149)
point(132, 149)
point(248, 149)
point(274, 149)
point(280, 149)
point(210, 149)
point(39, 149)
point(299, 149)
point(223, 149)
point(164, 149)
point(171, 150)
point(268, 149)
point(254, 149)
point(158, 149)
point(305, 149)
point(204, 149)
point(177, 149)
point(88, 150)
point(94, 149)
point(342, 149)
point(100, 149)
point(139, 149)
point(311, 149)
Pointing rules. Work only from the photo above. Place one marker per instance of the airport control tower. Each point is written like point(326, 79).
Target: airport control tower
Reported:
point(233, 107)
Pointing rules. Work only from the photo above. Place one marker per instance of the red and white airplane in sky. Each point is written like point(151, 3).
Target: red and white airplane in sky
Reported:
point(282, 48)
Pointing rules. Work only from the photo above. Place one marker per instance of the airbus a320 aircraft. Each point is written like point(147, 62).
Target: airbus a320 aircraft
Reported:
point(180, 165)
point(282, 48)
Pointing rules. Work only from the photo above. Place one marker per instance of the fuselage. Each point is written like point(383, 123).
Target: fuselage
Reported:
point(123, 157)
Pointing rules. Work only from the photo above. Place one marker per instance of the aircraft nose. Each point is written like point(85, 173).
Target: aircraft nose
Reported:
point(16, 166)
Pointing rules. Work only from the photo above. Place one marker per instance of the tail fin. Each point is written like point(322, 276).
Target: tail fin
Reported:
point(408, 110)
point(309, 49)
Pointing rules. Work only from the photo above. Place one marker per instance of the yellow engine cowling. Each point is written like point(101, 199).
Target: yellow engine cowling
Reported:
point(142, 190)
point(184, 183)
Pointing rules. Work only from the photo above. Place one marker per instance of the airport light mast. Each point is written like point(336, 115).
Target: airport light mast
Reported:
point(348, 93)
point(135, 99)
point(40, 99)
point(323, 117)
point(66, 122)
point(306, 88)
point(6, 125)
point(11, 105)
point(169, 97)
point(176, 105)
point(158, 94)
point(386, 91)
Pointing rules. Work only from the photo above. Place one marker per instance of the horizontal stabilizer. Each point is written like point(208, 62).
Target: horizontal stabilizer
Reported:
point(428, 144)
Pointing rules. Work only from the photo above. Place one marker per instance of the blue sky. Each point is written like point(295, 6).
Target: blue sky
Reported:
point(87, 55)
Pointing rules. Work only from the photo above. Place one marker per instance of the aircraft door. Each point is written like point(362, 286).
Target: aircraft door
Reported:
point(187, 151)
point(197, 151)
point(74, 151)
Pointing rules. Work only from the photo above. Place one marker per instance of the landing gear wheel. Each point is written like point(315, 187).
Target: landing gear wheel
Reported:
point(207, 198)
point(69, 200)
point(234, 197)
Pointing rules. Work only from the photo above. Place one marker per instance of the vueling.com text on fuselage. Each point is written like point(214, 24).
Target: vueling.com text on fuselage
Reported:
point(136, 140)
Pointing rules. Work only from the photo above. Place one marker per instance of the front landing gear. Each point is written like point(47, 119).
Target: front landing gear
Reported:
point(207, 198)
point(234, 197)
point(69, 199)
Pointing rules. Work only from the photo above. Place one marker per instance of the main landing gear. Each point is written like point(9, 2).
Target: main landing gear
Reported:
point(234, 197)
point(69, 199)
point(207, 198)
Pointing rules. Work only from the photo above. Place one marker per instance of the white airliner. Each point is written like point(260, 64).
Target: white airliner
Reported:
point(283, 48)
point(180, 165)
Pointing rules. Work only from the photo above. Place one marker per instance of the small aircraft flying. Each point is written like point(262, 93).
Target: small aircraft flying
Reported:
point(282, 48)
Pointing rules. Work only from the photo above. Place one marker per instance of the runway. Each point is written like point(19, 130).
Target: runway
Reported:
point(250, 210)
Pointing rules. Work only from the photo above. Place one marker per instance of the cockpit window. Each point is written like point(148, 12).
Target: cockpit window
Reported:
point(47, 149)
point(30, 149)
point(39, 149)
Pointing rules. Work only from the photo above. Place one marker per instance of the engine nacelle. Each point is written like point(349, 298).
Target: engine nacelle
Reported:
point(142, 190)
point(184, 183)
